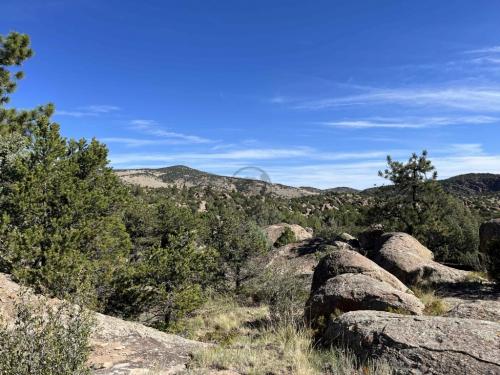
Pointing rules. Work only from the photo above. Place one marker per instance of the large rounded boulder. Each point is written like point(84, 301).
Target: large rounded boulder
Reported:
point(345, 280)
point(420, 345)
point(338, 262)
point(350, 291)
point(412, 263)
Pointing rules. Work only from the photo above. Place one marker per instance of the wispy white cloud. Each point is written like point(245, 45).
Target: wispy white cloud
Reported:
point(91, 110)
point(363, 155)
point(144, 123)
point(463, 98)
point(140, 142)
point(491, 49)
point(74, 113)
point(298, 154)
point(152, 127)
point(462, 149)
point(455, 165)
point(278, 99)
point(450, 160)
point(412, 122)
point(357, 175)
point(363, 174)
point(102, 108)
point(486, 60)
point(317, 168)
point(245, 155)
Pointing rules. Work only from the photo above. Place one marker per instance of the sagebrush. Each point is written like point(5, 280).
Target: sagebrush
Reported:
point(43, 339)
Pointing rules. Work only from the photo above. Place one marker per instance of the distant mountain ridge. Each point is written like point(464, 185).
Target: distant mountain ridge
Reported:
point(478, 190)
point(466, 185)
point(182, 176)
point(472, 184)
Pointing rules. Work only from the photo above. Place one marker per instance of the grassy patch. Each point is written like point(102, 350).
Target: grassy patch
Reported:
point(248, 342)
point(220, 319)
point(434, 305)
point(477, 277)
point(281, 350)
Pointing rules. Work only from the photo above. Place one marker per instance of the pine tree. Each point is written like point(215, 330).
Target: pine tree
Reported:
point(61, 227)
point(417, 204)
point(237, 240)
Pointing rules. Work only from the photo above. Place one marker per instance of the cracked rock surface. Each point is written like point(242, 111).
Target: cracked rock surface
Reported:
point(421, 344)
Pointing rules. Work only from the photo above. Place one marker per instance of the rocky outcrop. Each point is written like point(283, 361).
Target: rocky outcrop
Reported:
point(347, 238)
point(412, 263)
point(350, 292)
point(421, 345)
point(338, 262)
point(273, 232)
point(475, 309)
point(337, 245)
point(407, 243)
point(299, 257)
point(345, 280)
point(120, 347)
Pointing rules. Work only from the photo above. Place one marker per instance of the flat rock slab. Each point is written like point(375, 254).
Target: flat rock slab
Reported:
point(300, 257)
point(120, 347)
point(475, 309)
point(421, 344)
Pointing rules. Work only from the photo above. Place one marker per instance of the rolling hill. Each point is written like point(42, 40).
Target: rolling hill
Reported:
point(480, 190)
point(182, 176)
point(472, 184)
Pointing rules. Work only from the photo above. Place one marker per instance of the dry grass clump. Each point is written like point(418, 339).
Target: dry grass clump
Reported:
point(434, 305)
point(282, 350)
point(220, 319)
point(477, 277)
point(249, 342)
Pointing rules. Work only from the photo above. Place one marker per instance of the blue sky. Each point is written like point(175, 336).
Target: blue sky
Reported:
point(314, 92)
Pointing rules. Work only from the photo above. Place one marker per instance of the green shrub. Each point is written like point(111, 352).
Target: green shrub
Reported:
point(165, 283)
point(477, 277)
point(45, 340)
point(284, 291)
point(286, 237)
point(237, 240)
